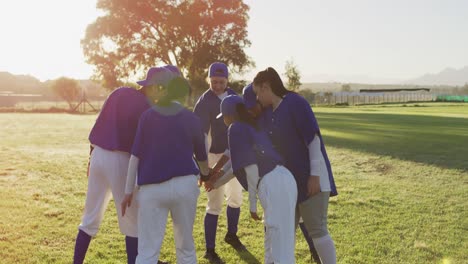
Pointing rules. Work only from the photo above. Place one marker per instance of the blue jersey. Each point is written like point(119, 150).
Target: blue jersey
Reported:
point(249, 146)
point(292, 127)
point(207, 108)
point(117, 122)
point(166, 144)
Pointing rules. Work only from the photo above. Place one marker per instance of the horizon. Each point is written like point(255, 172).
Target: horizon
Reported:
point(403, 42)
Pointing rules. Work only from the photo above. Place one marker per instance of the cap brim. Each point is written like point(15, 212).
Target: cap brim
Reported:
point(143, 83)
point(219, 116)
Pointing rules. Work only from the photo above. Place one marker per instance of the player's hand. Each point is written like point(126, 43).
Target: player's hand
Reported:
point(313, 186)
point(255, 216)
point(209, 185)
point(87, 170)
point(127, 201)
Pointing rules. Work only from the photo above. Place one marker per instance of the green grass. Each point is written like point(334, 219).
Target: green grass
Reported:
point(402, 174)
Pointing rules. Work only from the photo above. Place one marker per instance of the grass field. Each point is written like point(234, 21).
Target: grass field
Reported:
point(402, 174)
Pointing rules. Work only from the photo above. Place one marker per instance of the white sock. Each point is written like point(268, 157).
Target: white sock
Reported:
point(325, 249)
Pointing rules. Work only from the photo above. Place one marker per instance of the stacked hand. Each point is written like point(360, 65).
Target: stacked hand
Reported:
point(214, 176)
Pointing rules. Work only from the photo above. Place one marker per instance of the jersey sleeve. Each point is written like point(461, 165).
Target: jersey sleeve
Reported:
point(304, 119)
point(131, 174)
point(198, 140)
point(252, 180)
point(139, 141)
point(241, 146)
point(202, 111)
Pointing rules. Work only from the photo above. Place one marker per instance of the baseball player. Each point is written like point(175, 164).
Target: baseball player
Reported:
point(167, 138)
point(258, 167)
point(207, 108)
point(255, 109)
point(294, 131)
point(111, 140)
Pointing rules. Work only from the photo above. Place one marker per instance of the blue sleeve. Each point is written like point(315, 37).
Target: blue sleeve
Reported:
point(201, 110)
point(198, 140)
point(139, 142)
point(304, 119)
point(241, 146)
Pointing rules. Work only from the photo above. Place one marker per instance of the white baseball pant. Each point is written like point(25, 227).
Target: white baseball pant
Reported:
point(232, 190)
point(179, 197)
point(277, 192)
point(107, 178)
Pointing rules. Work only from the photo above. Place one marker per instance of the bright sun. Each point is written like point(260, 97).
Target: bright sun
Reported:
point(40, 36)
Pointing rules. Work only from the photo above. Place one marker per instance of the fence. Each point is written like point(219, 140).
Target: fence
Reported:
point(43, 104)
point(38, 103)
point(364, 99)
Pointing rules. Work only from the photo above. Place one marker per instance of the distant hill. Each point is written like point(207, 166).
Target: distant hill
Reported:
point(25, 84)
point(449, 76)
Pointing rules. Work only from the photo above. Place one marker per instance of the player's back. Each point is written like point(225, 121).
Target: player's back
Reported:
point(117, 122)
point(165, 145)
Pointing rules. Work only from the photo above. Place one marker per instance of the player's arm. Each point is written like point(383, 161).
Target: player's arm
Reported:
point(91, 148)
point(202, 161)
point(307, 128)
point(200, 149)
point(201, 110)
point(225, 178)
point(251, 172)
point(220, 178)
point(221, 167)
point(130, 183)
point(133, 164)
point(222, 161)
point(315, 159)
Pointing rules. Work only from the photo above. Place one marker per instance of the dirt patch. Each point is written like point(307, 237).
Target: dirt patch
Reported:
point(383, 168)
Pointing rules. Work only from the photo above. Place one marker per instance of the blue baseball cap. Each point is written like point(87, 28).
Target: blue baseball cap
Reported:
point(228, 105)
point(250, 98)
point(159, 75)
point(218, 69)
point(173, 69)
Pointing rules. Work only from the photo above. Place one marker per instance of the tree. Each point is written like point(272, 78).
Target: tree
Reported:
point(135, 35)
point(464, 89)
point(346, 88)
point(293, 75)
point(308, 95)
point(238, 85)
point(67, 89)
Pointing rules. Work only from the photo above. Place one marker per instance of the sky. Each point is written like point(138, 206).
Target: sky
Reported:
point(377, 41)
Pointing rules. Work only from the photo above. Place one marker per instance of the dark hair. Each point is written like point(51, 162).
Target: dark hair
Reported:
point(177, 88)
point(245, 116)
point(271, 77)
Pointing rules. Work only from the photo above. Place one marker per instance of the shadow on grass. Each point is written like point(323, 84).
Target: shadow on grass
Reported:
point(441, 141)
point(248, 257)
